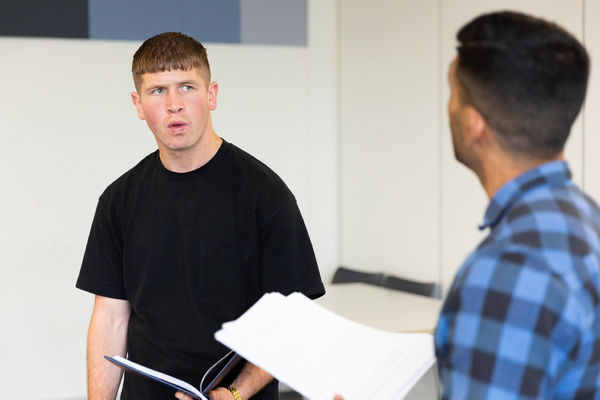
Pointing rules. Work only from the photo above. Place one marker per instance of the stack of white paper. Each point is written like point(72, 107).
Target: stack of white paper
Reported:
point(319, 354)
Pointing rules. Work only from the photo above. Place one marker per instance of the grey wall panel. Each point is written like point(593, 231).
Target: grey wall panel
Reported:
point(277, 22)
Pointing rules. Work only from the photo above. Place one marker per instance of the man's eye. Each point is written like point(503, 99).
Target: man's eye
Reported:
point(158, 91)
point(187, 88)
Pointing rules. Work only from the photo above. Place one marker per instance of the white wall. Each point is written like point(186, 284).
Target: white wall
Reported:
point(389, 122)
point(69, 129)
point(407, 207)
point(322, 117)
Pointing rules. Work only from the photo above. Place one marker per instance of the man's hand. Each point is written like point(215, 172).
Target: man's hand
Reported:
point(182, 396)
point(249, 382)
point(217, 394)
point(220, 393)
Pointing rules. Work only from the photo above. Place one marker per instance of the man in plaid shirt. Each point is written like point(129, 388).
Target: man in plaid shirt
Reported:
point(522, 318)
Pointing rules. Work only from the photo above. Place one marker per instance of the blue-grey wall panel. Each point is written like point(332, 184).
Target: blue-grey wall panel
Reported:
point(212, 20)
point(56, 18)
point(278, 22)
point(205, 20)
point(133, 19)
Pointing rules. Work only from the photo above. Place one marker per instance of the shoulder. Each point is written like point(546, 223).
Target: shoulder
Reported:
point(253, 166)
point(263, 179)
point(552, 232)
point(555, 203)
point(126, 182)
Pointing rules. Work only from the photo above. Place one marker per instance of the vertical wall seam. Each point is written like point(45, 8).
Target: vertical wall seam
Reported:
point(440, 151)
point(339, 133)
point(308, 116)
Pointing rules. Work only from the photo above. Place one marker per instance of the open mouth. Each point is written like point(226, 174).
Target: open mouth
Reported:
point(177, 126)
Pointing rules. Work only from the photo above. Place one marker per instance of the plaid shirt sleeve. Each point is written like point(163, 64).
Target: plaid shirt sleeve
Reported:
point(508, 327)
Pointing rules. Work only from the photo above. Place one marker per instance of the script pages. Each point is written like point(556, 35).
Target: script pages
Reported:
point(319, 353)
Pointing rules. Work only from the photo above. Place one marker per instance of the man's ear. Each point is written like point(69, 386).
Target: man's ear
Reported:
point(476, 129)
point(213, 90)
point(138, 105)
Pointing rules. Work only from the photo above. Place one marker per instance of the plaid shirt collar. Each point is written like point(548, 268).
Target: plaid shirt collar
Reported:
point(553, 174)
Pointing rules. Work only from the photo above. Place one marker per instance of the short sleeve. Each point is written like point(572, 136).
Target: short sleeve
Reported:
point(101, 270)
point(506, 329)
point(287, 259)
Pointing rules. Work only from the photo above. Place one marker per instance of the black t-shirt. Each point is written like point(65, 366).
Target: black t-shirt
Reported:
point(190, 251)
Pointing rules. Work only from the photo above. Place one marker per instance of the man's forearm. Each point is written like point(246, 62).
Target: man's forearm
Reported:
point(251, 380)
point(106, 336)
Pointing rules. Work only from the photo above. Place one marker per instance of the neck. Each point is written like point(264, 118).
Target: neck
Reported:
point(501, 167)
point(190, 159)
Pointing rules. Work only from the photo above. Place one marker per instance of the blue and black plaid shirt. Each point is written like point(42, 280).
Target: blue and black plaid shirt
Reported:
point(522, 318)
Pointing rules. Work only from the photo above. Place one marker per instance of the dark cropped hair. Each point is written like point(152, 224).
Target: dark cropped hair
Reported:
point(169, 51)
point(526, 76)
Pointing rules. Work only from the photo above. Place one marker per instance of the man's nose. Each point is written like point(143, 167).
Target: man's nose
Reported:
point(175, 103)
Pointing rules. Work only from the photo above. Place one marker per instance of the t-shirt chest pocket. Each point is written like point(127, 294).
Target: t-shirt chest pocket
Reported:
point(222, 274)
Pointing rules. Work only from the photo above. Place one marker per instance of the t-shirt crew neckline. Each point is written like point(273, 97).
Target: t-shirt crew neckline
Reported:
point(203, 170)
